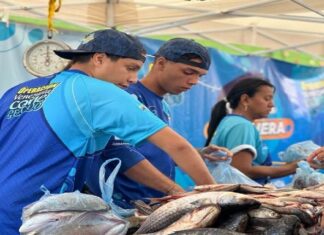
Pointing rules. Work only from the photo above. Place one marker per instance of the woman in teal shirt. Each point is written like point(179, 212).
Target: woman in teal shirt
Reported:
point(249, 99)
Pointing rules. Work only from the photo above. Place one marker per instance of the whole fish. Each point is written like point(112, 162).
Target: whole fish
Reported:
point(246, 188)
point(287, 224)
point(41, 220)
point(236, 222)
point(84, 223)
point(206, 231)
point(197, 218)
point(216, 187)
point(166, 215)
point(75, 201)
point(174, 210)
point(264, 213)
point(304, 217)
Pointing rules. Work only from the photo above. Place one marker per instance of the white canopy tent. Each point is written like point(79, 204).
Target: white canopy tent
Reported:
point(271, 24)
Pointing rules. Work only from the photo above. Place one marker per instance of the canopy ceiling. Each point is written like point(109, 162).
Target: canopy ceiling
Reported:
point(271, 24)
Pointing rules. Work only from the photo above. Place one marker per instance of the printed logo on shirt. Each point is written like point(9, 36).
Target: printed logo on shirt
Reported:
point(142, 107)
point(29, 99)
point(275, 128)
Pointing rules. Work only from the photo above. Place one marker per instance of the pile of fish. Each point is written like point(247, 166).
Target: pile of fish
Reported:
point(235, 209)
point(71, 213)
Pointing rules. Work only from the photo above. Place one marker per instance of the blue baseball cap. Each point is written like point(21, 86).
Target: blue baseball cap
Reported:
point(110, 41)
point(178, 49)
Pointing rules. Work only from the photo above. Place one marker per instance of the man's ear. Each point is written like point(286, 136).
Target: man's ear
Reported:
point(160, 63)
point(98, 58)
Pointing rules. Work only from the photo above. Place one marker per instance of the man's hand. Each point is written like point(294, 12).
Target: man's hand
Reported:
point(210, 153)
point(316, 159)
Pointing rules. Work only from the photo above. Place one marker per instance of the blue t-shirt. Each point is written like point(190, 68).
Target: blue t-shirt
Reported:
point(50, 128)
point(125, 189)
point(236, 133)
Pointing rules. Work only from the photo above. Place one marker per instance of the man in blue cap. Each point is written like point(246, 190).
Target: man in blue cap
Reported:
point(51, 127)
point(178, 65)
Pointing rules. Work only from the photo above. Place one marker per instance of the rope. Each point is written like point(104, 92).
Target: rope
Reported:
point(51, 10)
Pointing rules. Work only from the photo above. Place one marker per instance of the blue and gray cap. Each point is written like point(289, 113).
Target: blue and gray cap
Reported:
point(178, 49)
point(108, 41)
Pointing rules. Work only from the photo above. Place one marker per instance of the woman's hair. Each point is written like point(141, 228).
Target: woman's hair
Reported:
point(246, 84)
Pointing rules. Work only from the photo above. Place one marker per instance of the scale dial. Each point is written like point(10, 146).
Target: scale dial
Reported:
point(40, 59)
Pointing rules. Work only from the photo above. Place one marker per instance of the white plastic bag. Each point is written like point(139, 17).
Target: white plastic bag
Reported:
point(306, 176)
point(298, 151)
point(224, 173)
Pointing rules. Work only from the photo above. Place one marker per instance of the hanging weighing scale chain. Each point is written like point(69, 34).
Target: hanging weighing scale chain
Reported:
point(40, 59)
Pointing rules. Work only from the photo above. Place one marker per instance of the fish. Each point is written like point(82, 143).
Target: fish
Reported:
point(299, 200)
point(304, 217)
point(166, 214)
point(263, 213)
point(236, 222)
point(300, 193)
point(74, 201)
point(38, 221)
point(246, 188)
point(216, 187)
point(287, 224)
point(142, 207)
point(197, 218)
point(206, 231)
point(82, 223)
point(174, 210)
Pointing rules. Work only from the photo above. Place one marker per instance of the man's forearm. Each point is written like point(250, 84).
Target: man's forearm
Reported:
point(145, 173)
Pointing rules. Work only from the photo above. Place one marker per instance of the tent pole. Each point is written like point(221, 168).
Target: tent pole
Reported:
point(219, 41)
point(165, 6)
point(285, 17)
point(289, 47)
point(290, 31)
point(110, 14)
point(193, 19)
point(268, 36)
point(307, 7)
point(213, 30)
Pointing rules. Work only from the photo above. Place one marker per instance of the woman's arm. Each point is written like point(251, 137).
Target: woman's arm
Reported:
point(243, 161)
point(186, 156)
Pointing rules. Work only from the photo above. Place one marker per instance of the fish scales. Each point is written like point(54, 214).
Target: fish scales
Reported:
point(66, 202)
point(173, 210)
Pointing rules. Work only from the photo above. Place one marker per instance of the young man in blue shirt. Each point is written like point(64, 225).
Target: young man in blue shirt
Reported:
point(178, 66)
point(51, 128)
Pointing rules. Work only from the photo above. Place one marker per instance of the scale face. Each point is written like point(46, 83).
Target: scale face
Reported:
point(40, 59)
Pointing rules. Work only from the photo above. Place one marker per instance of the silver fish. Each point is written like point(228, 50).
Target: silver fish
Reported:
point(66, 202)
point(206, 231)
point(304, 217)
point(287, 224)
point(84, 223)
point(174, 210)
point(41, 220)
point(198, 218)
point(264, 213)
point(216, 187)
point(236, 222)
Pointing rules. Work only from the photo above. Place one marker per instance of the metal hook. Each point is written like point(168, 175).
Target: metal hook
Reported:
point(50, 34)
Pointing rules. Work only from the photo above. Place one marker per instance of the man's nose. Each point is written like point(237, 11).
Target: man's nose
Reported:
point(133, 79)
point(194, 80)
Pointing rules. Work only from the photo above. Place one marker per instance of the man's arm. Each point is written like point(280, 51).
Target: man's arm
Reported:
point(145, 173)
point(186, 156)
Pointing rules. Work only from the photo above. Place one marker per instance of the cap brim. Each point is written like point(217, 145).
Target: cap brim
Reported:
point(70, 54)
